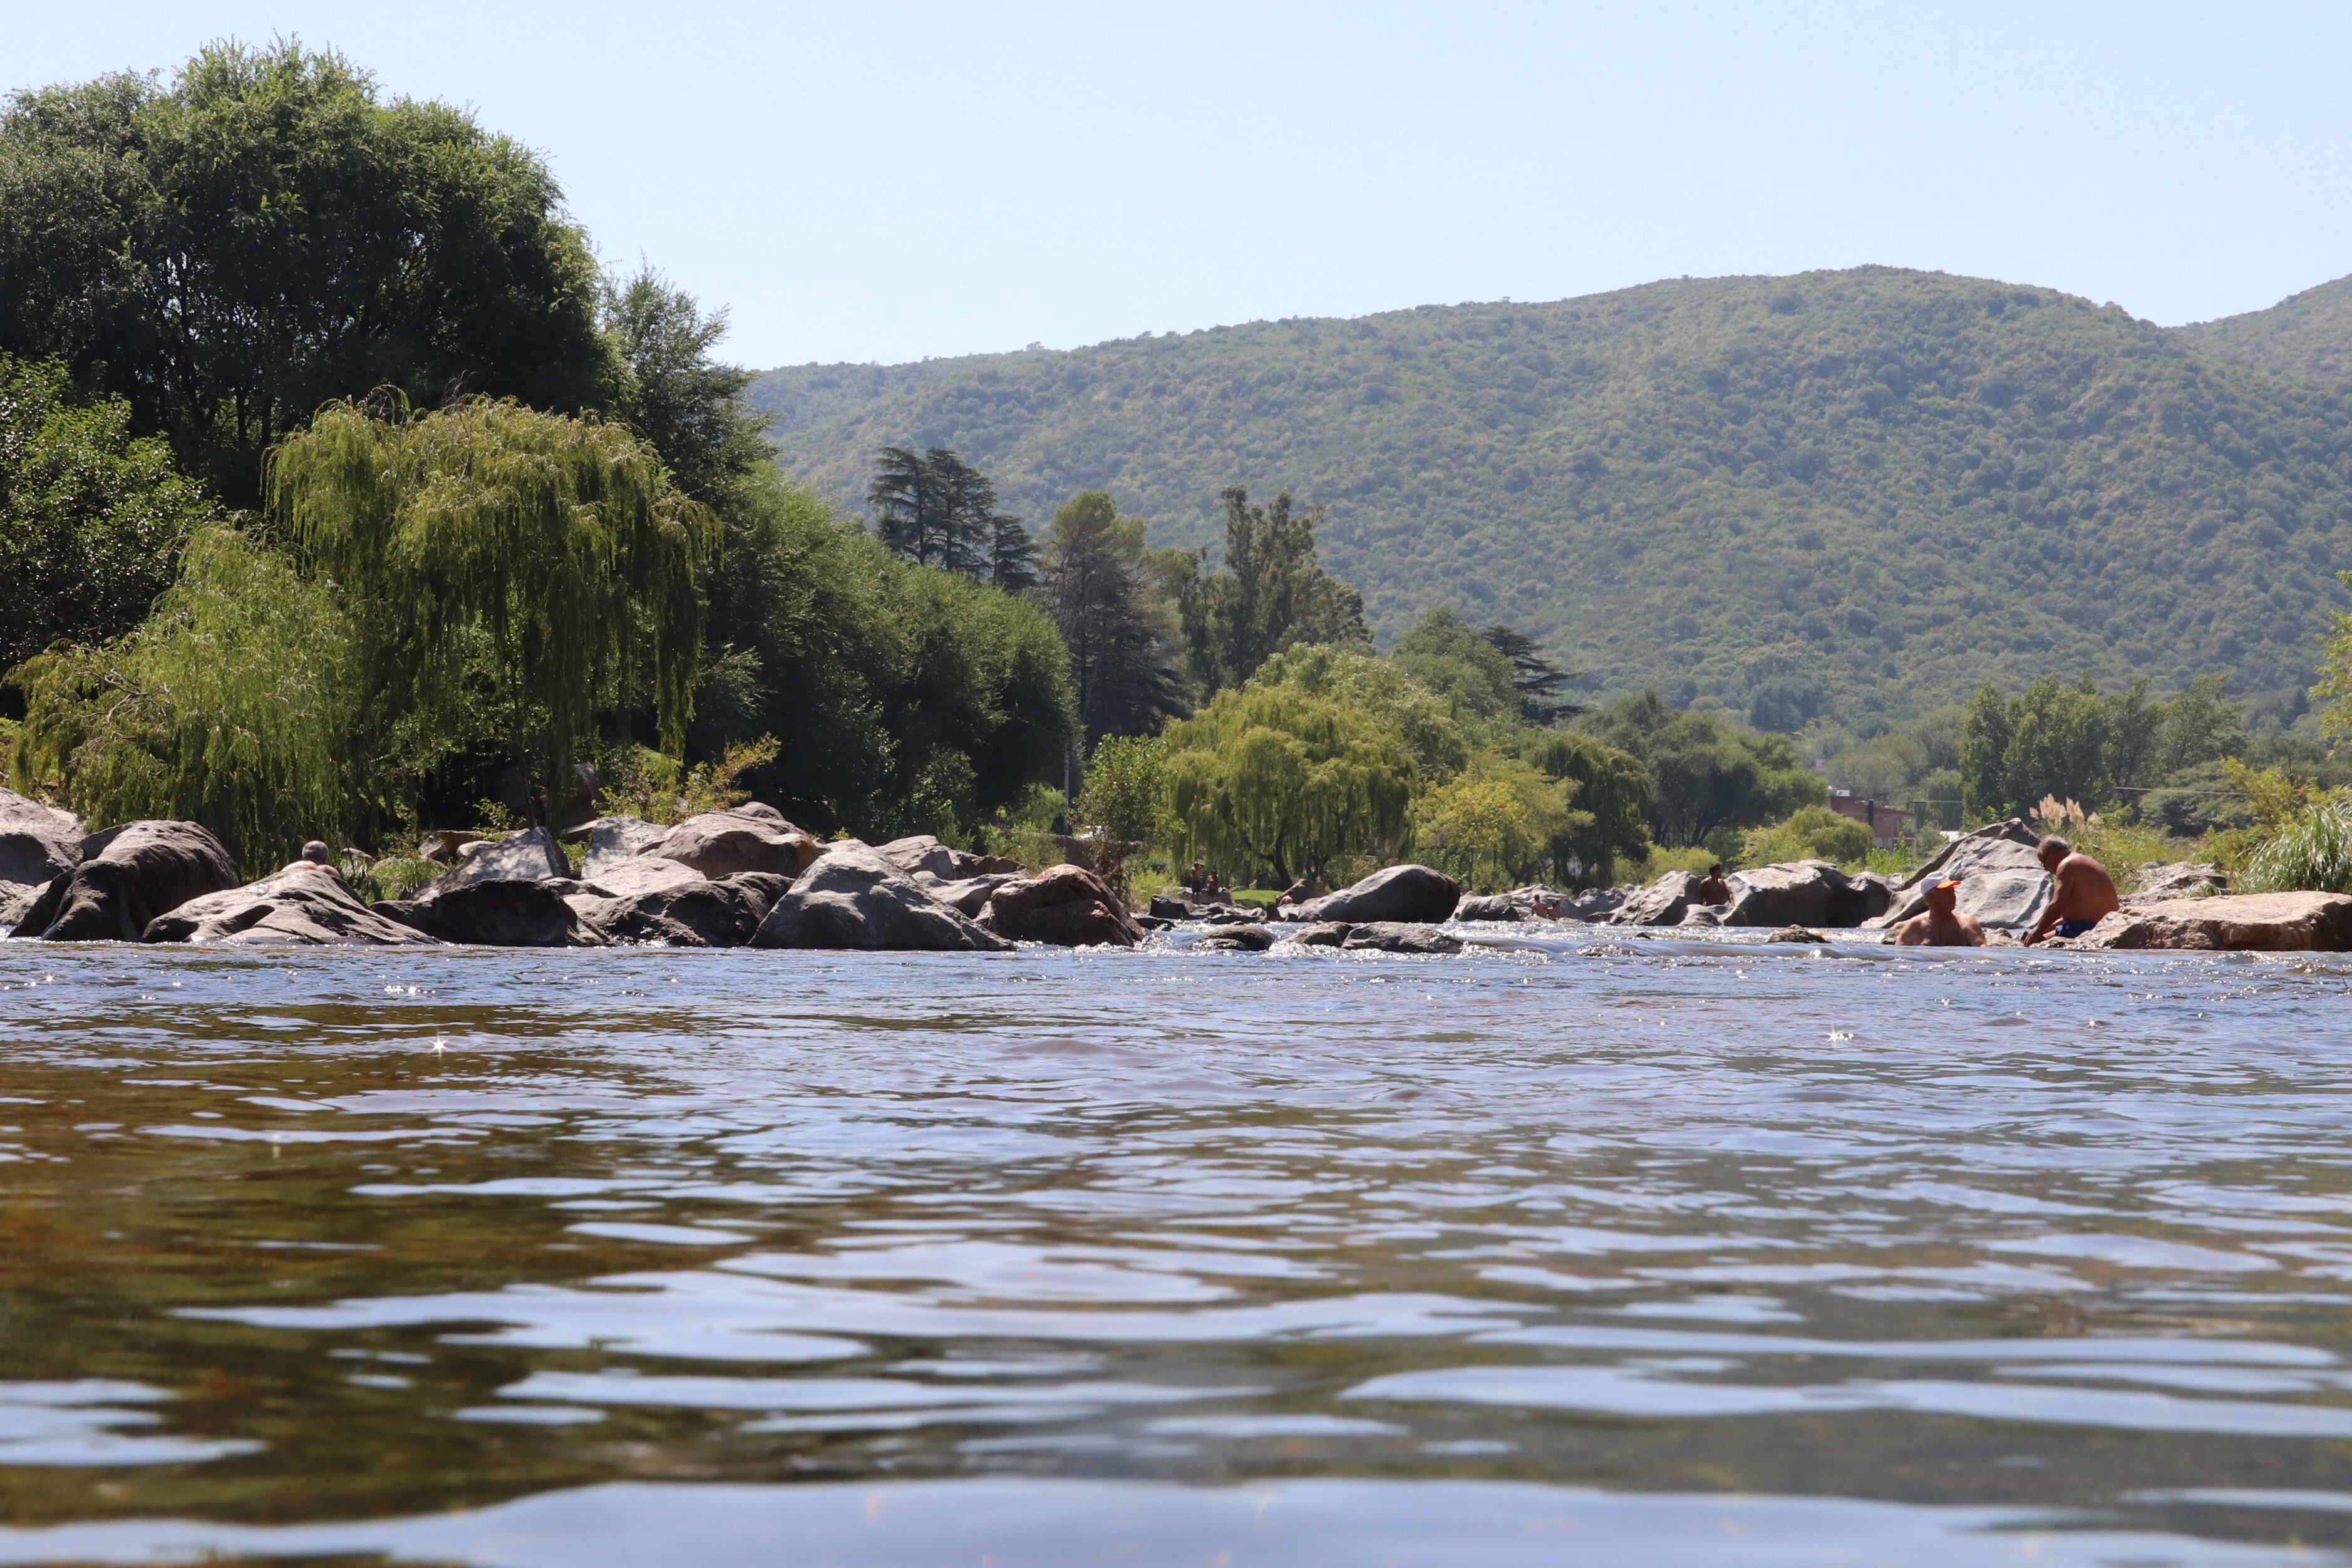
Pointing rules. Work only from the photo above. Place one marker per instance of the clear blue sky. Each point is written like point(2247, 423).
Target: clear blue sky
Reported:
point(870, 181)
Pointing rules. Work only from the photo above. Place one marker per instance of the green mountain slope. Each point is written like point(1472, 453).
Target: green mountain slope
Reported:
point(2307, 334)
point(1849, 492)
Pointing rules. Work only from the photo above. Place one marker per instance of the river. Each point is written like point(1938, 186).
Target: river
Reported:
point(1608, 1250)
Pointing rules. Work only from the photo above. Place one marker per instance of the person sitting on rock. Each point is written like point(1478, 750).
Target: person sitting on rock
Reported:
point(1195, 880)
point(2083, 895)
point(1712, 888)
point(1213, 887)
point(315, 853)
point(1943, 925)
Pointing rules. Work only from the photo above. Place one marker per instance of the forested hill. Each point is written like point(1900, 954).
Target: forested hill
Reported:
point(1853, 492)
point(2308, 333)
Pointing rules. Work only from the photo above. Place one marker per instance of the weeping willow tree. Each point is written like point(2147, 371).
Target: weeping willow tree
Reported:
point(1274, 777)
point(503, 565)
point(228, 706)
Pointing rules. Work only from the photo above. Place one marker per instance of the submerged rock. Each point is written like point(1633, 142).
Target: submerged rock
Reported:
point(303, 905)
point(1487, 907)
point(852, 897)
point(1414, 893)
point(1234, 939)
point(699, 913)
point(751, 837)
point(1066, 905)
point(516, 913)
point(1796, 934)
point(1324, 933)
point(128, 875)
point(2254, 923)
point(1399, 936)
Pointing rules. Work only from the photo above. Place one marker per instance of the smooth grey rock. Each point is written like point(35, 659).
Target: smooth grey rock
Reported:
point(1662, 903)
point(1230, 914)
point(530, 855)
point(1234, 939)
point(2254, 922)
point(853, 897)
point(1399, 936)
point(1068, 906)
point(1597, 903)
point(304, 905)
point(1799, 892)
point(723, 843)
point(639, 875)
point(128, 875)
point(1326, 933)
point(700, 913)
point(969, 897)
point(614, 839)
point(1997, 847)
point(1487, 907)
point(497, 914)
point(38, 843)
point(1166, 907)
point(1408, 892)
point(2179, 879)
point(923, 854)
point(2009, 899)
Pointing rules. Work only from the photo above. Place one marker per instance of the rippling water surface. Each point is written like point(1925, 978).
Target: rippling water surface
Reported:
point(1600, 1251)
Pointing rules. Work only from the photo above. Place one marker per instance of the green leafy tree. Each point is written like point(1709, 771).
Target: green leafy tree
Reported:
point(1538, 681)
point(1811, 833)
point(1272, 777)
point(1116, 624)
point(2197, 728)
point(936, 509)
point(1270, 592)
point(1493, 825)
point(231, 706)
point(1446, 655)
point(1124, 802)
point(264, 235)
point(486, 541)
point(671, 389)
point(2335, 687)
point(1384, 691)
point(1609, 792)
point(92, 517)
point(1984, 753)
point(1707, 775)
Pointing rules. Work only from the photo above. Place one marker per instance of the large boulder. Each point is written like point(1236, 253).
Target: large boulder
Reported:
point(2257, 922)
point(303, 905)
point(969, 897)
point(1805, 893)
point(699, 913)
point(744, 838)
point(128, 875)
point(1597, 903)
point(644, 874)
point(1399, 936)
point(1866, 896)
point(525, 857)
point(1997, 846)
point(1662, 903)
point(517, 913)
point(852, 897)
point(2179, 879)
point(1414, 893)
point(1325, 933)
point(38, 843)
point(613, 839)
point(1487, 907)
point(1066, 905)
point(2000, 900)
point(924, 855)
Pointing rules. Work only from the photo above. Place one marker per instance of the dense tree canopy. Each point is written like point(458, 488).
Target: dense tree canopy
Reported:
point(1109, 612)
point(92, 517)
point(265, 233)
point(1269, 593)
point(1709, 775)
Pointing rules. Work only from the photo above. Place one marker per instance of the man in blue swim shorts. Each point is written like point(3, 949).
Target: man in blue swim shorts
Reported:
point(2084, 894)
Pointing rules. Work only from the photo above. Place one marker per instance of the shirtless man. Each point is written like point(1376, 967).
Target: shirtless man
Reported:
point(1712, 888)
point(1943, 925)
point(2084, 895)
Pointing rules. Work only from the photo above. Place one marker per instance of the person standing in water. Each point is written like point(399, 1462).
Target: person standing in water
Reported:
point(1943, 925)
point(2084, 894)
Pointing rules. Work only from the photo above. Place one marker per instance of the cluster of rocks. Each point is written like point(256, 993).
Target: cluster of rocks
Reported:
point(740, 877)
point(1805, 893)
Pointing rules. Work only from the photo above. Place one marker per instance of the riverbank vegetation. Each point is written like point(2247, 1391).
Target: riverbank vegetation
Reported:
point(445, 529)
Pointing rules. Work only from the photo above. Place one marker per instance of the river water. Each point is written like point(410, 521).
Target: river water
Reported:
point(1604, 1250)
